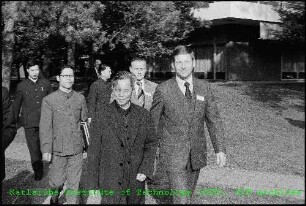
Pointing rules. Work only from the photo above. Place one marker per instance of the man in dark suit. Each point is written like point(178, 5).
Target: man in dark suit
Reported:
point(121, 156)
point(29, 95)
point(185, 103)
point(8, 127)
point(100, 91)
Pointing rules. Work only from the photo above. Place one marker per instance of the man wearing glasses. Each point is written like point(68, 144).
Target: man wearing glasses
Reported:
point(60, 135)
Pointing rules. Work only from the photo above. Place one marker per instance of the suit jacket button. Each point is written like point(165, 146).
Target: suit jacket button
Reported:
point(121, 164)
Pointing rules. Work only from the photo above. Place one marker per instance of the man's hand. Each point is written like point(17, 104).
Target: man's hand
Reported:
point(221, 159)
point(84, 155)
point(141, 177)
point(89, 121)
point(46, 157)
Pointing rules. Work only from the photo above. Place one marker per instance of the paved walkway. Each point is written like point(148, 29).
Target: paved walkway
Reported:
point(219, 177)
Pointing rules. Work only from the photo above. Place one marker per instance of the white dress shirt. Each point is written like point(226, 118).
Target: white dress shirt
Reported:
point(137, 87)
point(181, 83)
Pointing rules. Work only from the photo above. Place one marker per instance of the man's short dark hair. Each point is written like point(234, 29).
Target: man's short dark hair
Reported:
point(182, 49)
point(64, 67)
point(31, 62)
point(123, 75)
point(102, 67)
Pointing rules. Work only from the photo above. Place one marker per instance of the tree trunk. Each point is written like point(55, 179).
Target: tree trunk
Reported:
point(8, 41)
point(71, 53)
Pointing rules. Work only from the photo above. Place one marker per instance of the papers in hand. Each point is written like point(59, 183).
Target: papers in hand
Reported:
point(85, 132)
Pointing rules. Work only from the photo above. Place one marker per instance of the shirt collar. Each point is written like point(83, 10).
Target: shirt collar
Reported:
point(182, 82)
point(142, 83)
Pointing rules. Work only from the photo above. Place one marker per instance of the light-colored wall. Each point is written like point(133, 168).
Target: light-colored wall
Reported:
point(237, 9)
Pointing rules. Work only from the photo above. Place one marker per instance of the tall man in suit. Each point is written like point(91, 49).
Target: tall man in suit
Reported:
point(29, 95)
point(185, 103)
point(144, 89)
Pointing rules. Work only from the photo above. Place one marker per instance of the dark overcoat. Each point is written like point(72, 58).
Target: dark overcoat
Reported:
point(8, 127)
point(120, 150)
point(99, 94)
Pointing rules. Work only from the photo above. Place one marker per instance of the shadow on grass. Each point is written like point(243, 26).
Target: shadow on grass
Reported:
point(273, 94)
point(22, 179)
point(296, 123)
point(9, 188)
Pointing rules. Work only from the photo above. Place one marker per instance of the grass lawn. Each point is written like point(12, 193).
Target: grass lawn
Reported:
point(264, 126)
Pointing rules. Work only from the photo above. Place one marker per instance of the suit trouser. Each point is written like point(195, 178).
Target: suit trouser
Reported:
point(176, 179)
point(62, 168)
point(33, 142)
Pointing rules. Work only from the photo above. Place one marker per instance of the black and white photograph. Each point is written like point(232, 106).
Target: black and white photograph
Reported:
point(153, 102)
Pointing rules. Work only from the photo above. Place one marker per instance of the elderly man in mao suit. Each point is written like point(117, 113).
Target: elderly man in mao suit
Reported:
point(121, 155)
point(185, 103)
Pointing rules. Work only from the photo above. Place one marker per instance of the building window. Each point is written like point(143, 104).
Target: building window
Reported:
point(293, 65)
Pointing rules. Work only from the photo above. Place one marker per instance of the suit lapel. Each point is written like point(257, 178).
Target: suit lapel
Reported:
point(179, 99)
point(194, 104)
point(188, 108)
point(148, 87)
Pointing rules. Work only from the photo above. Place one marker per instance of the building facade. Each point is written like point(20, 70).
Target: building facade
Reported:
point(240, 44)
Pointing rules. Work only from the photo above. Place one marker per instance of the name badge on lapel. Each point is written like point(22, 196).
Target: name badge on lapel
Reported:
point(201, 98)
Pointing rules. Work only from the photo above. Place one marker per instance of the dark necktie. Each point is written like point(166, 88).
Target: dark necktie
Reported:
point(140, 96)
point(188, 92)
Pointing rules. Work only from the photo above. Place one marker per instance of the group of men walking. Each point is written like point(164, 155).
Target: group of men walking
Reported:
point(130, 118)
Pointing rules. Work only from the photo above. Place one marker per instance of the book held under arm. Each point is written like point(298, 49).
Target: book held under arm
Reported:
point(85, 132)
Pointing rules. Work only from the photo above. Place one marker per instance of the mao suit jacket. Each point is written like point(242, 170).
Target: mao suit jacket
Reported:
point(29, 97)
point(59, 127)
point(183, 123)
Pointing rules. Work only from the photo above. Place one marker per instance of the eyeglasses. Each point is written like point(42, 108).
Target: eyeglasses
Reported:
point(67, 76)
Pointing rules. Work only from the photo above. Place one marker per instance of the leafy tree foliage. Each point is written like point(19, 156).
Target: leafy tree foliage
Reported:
point(46, 29)
point(292, 15)
point(150, 28)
